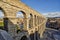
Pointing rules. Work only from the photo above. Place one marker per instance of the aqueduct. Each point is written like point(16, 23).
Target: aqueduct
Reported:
point(34, 22)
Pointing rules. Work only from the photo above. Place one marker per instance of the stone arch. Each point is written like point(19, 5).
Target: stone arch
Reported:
point(31, 21)
point(21, 13)
point(38, 20)
point(22, 23)
point(24, 38)
point(35, 19)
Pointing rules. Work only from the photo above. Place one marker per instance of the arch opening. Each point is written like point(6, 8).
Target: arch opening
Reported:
point(32, 36)
point(35, 19)
point(1, 18)
point(30, 21)
point(24, 38)
point(37, 35)
point(21, 16)
point(38, 20)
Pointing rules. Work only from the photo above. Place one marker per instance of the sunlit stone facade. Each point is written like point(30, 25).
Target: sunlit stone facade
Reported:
point(34, 22)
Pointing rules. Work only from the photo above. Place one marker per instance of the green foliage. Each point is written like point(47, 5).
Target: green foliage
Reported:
point(1, 24)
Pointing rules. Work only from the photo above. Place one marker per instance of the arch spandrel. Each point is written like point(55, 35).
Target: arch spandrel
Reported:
point(1, 3)
point(9, 0)
point(10, 11)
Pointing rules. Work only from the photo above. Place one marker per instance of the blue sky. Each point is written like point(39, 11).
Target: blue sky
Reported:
point(44, 6)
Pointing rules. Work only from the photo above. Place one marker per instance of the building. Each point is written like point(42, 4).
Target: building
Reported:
point(53, 23)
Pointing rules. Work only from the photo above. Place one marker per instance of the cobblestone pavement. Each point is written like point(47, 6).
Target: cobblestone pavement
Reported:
point(51, 34)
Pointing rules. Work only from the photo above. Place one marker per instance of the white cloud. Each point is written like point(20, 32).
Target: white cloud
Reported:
point(52, 14)
point(20, 15)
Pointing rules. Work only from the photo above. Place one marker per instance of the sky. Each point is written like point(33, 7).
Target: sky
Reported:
point(43, 6)
point(1, 14)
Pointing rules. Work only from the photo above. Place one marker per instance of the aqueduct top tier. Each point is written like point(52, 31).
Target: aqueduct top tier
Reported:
point(18, 6)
